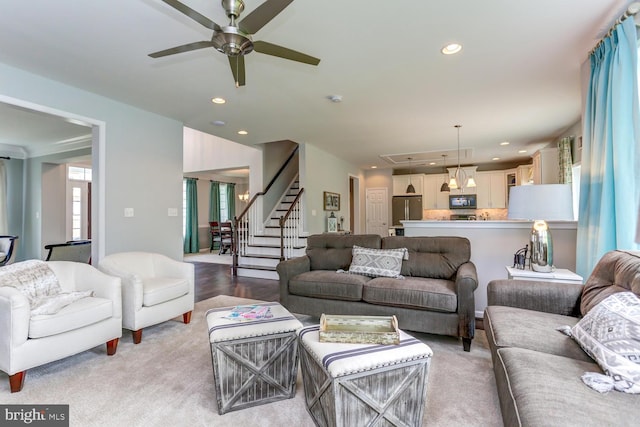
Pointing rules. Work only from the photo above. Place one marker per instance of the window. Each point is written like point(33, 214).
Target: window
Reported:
point(224, 209)
point(77, 173)
point(78, 206)
point(76, 213)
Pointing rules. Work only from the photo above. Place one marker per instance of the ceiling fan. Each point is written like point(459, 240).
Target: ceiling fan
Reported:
point(234, 40)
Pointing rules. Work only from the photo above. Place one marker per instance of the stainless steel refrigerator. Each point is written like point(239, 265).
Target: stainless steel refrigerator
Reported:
point(406, 208)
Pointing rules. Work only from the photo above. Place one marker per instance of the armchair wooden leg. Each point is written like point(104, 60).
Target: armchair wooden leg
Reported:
point(186, 317)
point(112, 346)
point(16, 381)
point(466, 344)
point(137, 336)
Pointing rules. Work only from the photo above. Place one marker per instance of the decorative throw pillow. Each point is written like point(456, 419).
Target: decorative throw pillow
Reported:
point(610, 334)
point(377, 262)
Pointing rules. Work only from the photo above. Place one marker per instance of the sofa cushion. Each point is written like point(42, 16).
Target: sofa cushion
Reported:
point(333, 252)
point(76, 315)
point(328, 285)
point(616, 271)
point(540, 389)
point(377, 262)
point(157, 290)
point(412, 292)
point(610, 334)
point(433, 257)
point(534, 330)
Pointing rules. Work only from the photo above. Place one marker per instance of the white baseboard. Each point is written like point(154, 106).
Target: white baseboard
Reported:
point(479, 314)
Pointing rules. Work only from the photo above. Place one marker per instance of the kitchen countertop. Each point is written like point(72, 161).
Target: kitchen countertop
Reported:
point(502, 224)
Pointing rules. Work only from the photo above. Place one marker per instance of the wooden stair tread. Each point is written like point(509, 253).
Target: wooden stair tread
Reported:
point(257, 267)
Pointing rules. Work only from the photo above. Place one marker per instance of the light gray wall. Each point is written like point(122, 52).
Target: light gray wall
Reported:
point(54, 211)
point(319, 172)
point(142, 158)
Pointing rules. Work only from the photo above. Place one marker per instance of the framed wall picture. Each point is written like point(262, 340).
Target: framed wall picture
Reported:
point(331, 201)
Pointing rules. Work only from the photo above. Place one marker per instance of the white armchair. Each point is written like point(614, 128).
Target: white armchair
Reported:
point(155, 288)
point(28, 341)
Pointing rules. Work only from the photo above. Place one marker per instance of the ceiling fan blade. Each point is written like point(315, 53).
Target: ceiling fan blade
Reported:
point(237, 68)
point(261, 15)
point(201, 19)
point(179, 49)
point(283, 52)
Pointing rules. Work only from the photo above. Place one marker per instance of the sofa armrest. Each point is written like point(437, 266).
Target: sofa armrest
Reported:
point(548, 297)
point(14, 322)
point(288, 269)
point(466, 284)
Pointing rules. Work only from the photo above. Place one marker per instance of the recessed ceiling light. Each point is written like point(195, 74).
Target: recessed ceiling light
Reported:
point(504, 143)
point(218, 123)
point(522, 151)
point(496, 158)
point(374, 167)
point(451, 48)
point(242, 132)
point(335, 98)
point(432, 163)
point(218, 100)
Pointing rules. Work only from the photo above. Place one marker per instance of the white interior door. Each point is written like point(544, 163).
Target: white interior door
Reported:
point(377, 211)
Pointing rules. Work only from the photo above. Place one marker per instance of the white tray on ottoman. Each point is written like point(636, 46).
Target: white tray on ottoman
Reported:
point(254, 361)
point(364, 384)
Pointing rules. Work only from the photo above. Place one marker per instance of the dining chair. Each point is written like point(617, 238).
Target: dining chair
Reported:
point(214, 227)
point(77, 251)
point(226, 237)
point(7, 249)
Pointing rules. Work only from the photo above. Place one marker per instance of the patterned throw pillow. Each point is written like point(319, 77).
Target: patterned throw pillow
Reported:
point(610, 334)
point(377, 262)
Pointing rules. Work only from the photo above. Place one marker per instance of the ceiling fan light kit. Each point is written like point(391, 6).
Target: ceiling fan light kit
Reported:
point(234, 40)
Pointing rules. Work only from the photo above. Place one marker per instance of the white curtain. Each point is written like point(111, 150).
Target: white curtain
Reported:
point(4, 228)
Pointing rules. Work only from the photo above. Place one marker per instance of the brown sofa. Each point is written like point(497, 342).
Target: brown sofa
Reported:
point(538, 368)
point(435, 296)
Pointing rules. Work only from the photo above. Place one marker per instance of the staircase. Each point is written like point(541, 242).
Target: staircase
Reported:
point(260, 252)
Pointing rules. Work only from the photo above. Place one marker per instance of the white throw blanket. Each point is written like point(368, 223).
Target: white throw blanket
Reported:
point(35, 280)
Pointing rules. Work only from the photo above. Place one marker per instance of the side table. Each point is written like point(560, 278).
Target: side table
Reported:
point(558, 275)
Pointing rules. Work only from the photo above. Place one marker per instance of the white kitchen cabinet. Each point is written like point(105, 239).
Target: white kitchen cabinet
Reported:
point(432, 197)
point(545, 166)
point(401, 182)
point(491, 188)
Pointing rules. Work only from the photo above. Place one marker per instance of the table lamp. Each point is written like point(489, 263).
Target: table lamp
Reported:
point(541, 203)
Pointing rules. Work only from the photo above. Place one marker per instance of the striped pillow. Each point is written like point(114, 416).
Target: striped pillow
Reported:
point(377, 262)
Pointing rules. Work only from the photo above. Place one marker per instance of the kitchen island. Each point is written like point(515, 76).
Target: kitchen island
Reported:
point(493, 244)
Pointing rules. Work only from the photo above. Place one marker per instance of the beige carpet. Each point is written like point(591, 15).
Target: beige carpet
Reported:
point(167, 380)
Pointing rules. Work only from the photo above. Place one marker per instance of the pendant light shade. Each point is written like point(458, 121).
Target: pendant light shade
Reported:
point(459, 178)
point(410, 188)
point(445, 185)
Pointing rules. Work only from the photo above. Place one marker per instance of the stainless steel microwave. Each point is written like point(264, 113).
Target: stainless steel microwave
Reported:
point(462, 201)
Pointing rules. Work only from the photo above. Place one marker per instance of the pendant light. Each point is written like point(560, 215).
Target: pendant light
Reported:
point(453, 182)
point(459, 178)
point(445, 185)
point(410, 188)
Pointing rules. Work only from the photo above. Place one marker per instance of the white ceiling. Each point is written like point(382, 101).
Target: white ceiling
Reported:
point(517, 78)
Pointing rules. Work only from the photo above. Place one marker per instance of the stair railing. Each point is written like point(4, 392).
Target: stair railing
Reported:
point(247, 224)
point(291, 227)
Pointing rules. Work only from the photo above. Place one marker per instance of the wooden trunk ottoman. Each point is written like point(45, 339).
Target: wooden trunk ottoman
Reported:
point(256, 361)
point(349, 385)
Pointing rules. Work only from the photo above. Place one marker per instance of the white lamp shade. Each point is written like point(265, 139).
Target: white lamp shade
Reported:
point(549, 202)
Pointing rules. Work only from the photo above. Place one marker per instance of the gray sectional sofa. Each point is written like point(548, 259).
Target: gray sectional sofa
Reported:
point(537, 368)
point(435, 295)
